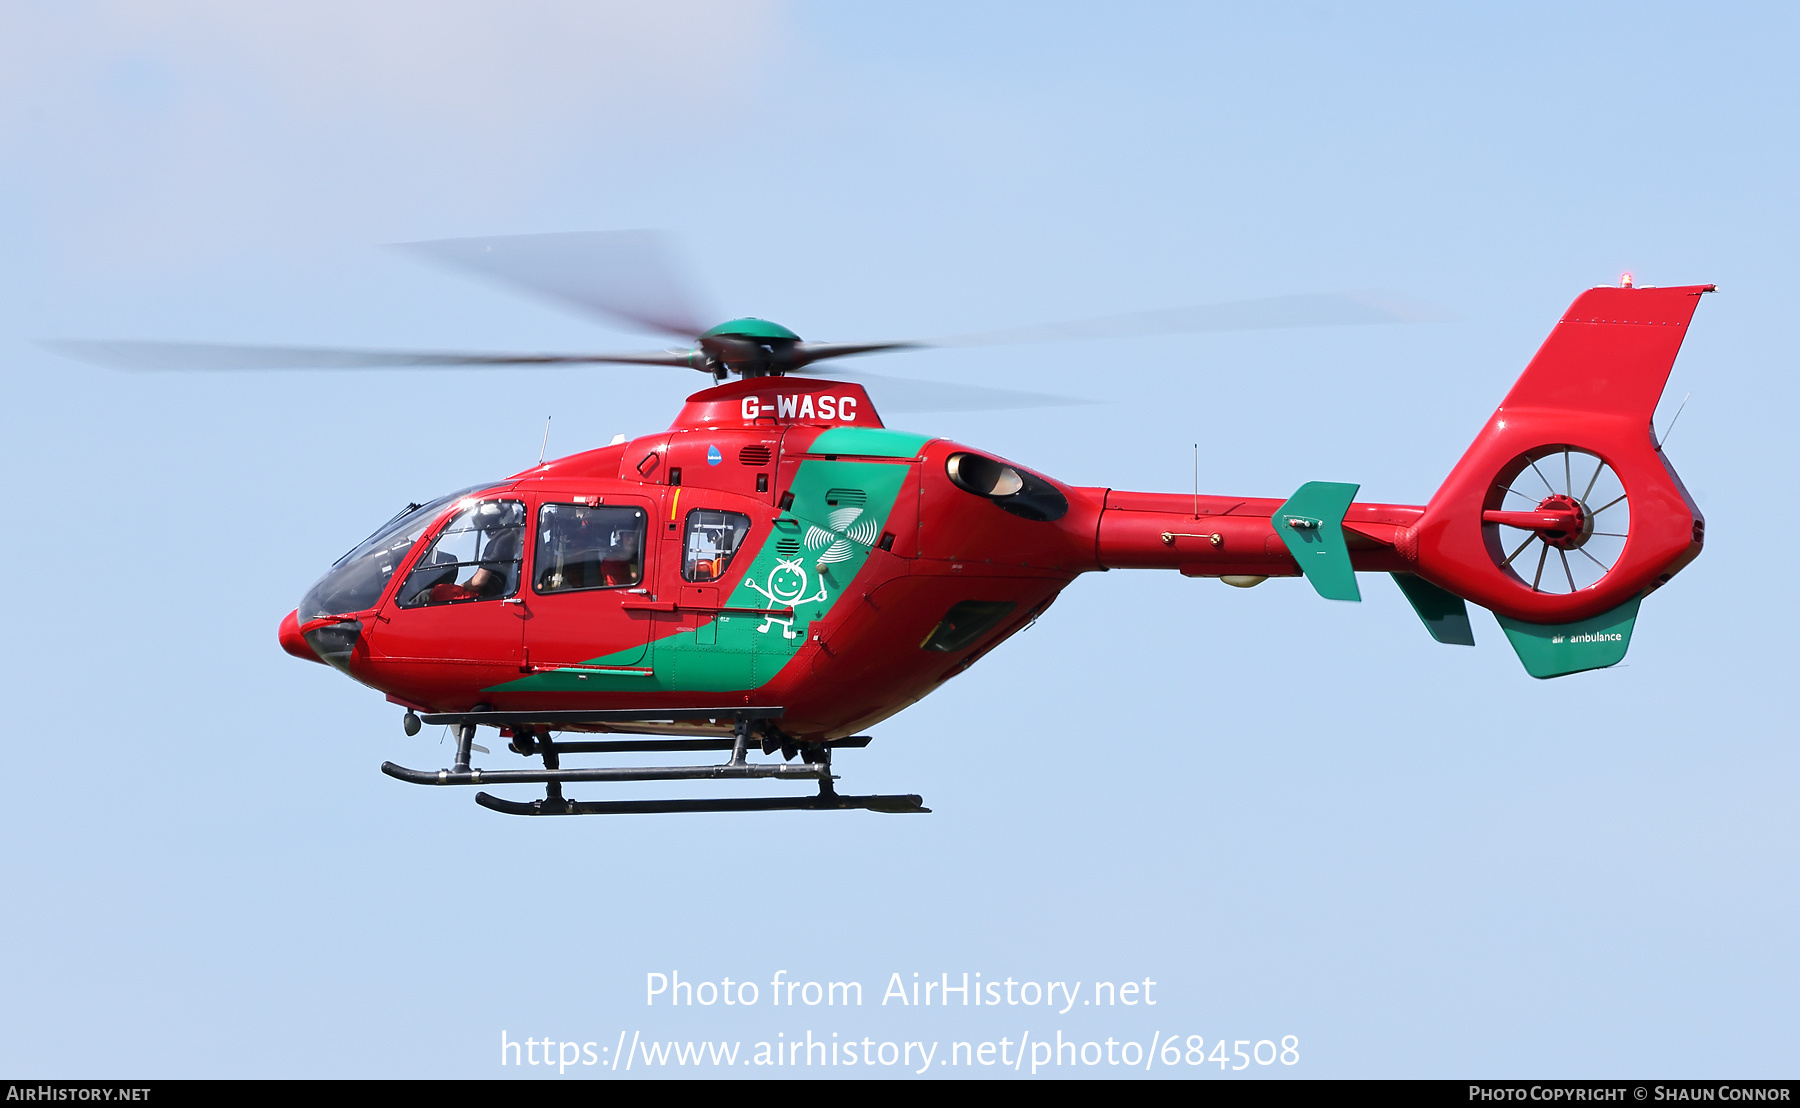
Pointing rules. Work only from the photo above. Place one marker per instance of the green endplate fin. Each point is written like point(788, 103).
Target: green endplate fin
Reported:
point(1444, 613)
point(869, 442)
point(1311, 523)
point(1553, 649)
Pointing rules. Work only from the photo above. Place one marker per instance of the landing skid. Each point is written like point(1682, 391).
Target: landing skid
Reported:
point(750, 728)
point(826, 800)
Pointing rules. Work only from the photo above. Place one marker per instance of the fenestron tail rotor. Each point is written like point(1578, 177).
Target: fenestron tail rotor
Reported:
point(1557, 519)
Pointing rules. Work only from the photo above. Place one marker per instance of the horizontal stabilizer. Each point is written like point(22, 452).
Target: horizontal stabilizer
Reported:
point(1555, 649)
point(1311, 523)
point(1443, 613)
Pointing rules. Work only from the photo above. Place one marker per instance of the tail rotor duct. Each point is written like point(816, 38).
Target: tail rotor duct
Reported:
point(1557, 519)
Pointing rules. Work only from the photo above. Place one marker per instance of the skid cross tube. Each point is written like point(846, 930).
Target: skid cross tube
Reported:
point(739, 741)
point(465, 739)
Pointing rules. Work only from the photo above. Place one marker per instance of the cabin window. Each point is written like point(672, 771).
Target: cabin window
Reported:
point(475, 557)
point(711, 540)
point(588, 547)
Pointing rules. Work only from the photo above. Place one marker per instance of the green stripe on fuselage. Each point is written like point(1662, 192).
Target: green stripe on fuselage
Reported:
point(869, 442)
point(750, 650)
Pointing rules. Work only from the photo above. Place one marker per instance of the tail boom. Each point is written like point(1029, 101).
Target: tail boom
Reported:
point(1222, 536)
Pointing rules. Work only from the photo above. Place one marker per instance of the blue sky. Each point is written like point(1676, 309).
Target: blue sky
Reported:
point(1300, 818)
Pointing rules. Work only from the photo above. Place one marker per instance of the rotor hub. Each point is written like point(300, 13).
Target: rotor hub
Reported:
point(748, 347)
point(1569, 523)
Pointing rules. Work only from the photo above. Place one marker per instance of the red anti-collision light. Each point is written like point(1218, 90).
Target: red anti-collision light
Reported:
point(293, 642)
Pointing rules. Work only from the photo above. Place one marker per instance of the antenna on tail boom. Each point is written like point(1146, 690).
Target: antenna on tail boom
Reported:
point(1663, 441)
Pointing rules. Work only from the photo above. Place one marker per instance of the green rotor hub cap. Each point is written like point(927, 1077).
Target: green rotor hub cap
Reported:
point(751, 328)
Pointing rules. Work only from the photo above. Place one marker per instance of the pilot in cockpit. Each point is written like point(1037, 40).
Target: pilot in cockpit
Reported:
point(500, 555)
point(484, 541)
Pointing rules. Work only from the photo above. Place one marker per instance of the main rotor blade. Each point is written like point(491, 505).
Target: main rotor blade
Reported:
point(1318, 309)
point(211, 357)
point(912, 394)
point(636, 277)
point(1269, 313)
point(804, 354)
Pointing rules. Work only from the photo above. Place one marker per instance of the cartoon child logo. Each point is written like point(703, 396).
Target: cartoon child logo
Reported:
point(787, 587)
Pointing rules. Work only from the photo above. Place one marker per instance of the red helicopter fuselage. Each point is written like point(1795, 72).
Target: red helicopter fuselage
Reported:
point(858, 569)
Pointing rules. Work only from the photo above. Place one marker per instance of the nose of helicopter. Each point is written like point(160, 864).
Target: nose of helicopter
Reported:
point(295, 643)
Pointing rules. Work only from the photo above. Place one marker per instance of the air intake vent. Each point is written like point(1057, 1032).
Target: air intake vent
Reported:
point(788, 548)
point(846, 498)
point(755, 455)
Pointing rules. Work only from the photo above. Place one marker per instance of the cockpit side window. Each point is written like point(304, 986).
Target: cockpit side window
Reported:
point(357, 580)
point(711, 540)
point(588, 548)
point(475, 557)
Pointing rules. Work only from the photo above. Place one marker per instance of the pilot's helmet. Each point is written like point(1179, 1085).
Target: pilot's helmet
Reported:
point(496, 514)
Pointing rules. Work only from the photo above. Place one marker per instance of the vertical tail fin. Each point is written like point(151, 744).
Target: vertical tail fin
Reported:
point(1564, 510)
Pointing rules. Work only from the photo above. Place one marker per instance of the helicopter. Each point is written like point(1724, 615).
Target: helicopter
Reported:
point(779, 570)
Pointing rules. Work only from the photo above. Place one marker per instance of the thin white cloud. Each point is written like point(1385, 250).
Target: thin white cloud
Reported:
point(148, 121)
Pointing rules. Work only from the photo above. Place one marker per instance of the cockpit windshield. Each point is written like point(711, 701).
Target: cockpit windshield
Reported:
point(356, 580)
